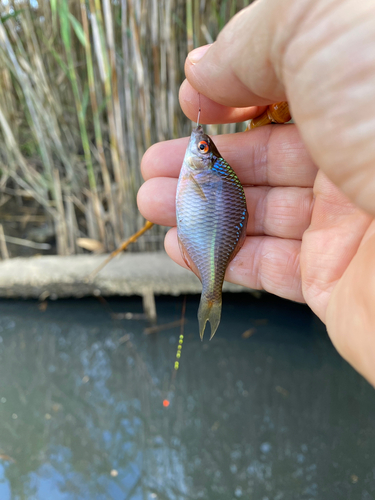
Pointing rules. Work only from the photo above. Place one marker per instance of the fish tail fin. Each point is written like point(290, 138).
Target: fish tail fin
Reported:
point(209, 310)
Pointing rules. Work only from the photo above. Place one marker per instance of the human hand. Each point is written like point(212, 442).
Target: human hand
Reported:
point(306, 240)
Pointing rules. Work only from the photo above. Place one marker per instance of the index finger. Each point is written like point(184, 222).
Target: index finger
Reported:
point(273, 155)
point(211, 111)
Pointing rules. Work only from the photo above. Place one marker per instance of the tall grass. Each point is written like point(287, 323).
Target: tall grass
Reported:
point(86, 86)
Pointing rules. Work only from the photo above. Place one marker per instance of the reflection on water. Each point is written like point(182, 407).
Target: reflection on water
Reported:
point(276, 416)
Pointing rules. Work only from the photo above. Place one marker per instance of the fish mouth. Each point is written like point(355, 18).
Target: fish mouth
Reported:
point(197, 132)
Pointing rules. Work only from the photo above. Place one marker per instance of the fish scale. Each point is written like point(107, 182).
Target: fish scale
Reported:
point(211, 221)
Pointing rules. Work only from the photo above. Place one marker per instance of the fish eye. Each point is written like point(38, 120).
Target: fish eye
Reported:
point(203, 146)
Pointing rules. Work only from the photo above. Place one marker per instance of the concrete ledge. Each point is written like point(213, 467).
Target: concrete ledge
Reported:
point(128, 274)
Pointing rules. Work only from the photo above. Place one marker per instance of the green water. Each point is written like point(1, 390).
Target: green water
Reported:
point(276, 416)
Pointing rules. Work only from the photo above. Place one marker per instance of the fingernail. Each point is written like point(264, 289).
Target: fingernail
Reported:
point(198, 53)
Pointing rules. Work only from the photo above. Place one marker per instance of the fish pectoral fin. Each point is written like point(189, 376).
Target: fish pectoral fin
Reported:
point(188, 260)
point(209, 310)
point(198, 188)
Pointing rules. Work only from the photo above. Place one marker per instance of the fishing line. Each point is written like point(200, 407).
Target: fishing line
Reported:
point(199, 108)
point(181, 338)
point(166, 402)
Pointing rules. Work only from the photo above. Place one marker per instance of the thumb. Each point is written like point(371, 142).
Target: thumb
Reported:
point(318, 55)
point(235, 70)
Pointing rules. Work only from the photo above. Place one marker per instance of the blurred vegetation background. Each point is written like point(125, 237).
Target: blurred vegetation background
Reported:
point(86, 86)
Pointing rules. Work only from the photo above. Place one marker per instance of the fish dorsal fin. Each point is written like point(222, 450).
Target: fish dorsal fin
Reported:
point(188, 260)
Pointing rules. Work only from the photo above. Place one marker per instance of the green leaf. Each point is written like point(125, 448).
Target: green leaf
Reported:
point(64, 23)
point(15, 13)
point(54, 11)
point(78, 29)
point(85, 99)
point(55, 54)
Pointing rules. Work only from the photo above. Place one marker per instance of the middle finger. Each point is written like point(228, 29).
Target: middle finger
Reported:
point(284, 212)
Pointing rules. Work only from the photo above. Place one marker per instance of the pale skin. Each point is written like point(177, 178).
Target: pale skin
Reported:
point(310, 187)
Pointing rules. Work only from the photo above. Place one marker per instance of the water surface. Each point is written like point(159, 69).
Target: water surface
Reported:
point(275, 416)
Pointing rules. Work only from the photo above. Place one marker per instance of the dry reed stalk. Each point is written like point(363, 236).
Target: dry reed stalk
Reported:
point(171, 77)
point(101, 52)
point(31, 100)
point(52, 109)
point(107, 10)
point(65, 29)
point(7, 101)
point(161, 32)
point(156, 66)
point(92, 230)
point(60, 221)
point(24, 243)
point(72, 227)
point(198, 39)
point(102, 55)
point(23, 218)
point(129, 109)
point(189, 25)
point(143, 89)
point(3, 244)
point(96, 119)
point(32, 182)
